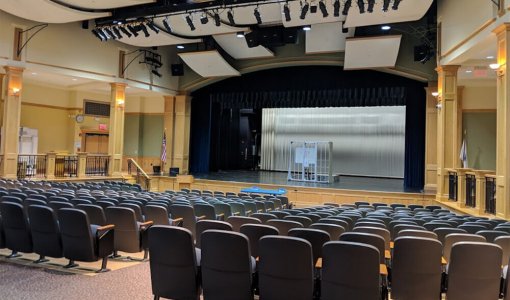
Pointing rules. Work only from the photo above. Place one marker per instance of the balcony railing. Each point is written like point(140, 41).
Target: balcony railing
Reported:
point(470, 190)
point(66, 166)
point(452, 186)
point(97, 165)
point(31, 166)
point(490, 195)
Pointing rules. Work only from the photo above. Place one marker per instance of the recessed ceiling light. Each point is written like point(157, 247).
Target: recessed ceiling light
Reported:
point(34, 73)
point(469, 71)
point(385, 27)
point(494, 66)
point(240, 34)
point(490, 57)
point(307, 28)
point(128, 87)
point(74, 79)
point(180, 47)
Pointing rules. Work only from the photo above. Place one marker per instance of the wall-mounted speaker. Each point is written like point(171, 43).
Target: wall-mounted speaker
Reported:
point(177, 69)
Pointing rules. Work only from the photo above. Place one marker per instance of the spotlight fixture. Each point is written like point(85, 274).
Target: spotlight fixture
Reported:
point(304, 10)
point(344, 29)
point(361, 6)
point(217, 20)
point(190, 23)
point(99, 35)
point(307, 28)
point(336, 8)
point(395, 4)
point(117, 32)
point(324, 10)
point(110, 33)
point(133, 30)
point(124, 30)
point(155, 72)
point(347, 5)
point(167, 25)
point(144, 29)
point(370, 7)
point(240, 34)
point(204, 19)
point(230, 16)
point(153, 26)
point(286, 12)
point(256, 13)
point(386, 4)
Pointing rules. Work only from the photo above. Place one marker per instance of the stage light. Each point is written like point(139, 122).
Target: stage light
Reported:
point(304, 10)
point(144, 29)
point(125, 32)
point(217, 20)
point(190, 23)
point(204, 19)
point(180, 47)
point(347, 6)
point(167, 25)
point(395, 4)
point(256, 13)
point(153, 26)
point(230, 16)
point(336, 8)
point(240, 34)
point(110, 33)
point(370, 7)
point(286, 12)
point(133, 30)
point(361, 6)
point(99, 35)
point(386, 4)
point(324, 10)
point(344, 29)
point(155, 72)
point(385, 27)
point(307, 28)
point(117, 32)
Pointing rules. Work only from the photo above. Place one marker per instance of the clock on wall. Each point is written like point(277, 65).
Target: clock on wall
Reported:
point(79, 118)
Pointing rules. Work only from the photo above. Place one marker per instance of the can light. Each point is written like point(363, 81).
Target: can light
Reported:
point(494, 66)
point(435, 94)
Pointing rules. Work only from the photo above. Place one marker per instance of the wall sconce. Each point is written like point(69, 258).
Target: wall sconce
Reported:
point(435, 94)
point(120, 102)
point(494, 66)
point(15, 91)
point(439, 105)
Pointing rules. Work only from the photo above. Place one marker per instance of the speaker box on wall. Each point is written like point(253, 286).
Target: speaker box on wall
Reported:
point(177, 69)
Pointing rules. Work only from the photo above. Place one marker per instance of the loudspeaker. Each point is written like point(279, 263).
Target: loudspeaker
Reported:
point(252, 39)
point(423, 53)
point(173, 172)
point(177, 69)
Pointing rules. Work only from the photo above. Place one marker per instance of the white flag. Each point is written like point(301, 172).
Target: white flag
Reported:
point(463, 154)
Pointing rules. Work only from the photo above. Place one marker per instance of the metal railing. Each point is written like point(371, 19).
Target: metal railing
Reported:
point(490, 195)
point(470, 190)
point(97, 165)
point(452, 186)
point(140, 176)
point(66, 166)
point(31, 166)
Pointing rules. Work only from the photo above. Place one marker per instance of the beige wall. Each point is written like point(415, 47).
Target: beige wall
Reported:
point(39, 94)
point(479, 97)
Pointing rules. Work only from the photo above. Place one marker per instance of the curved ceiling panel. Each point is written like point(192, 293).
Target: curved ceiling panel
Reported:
point(180, 26)
point(238, 48)
point(208, 64)
point(407, 11)
point(160, 39)
point(104, 4)
point(310, 18)
point(46, 11)
point(372, 52)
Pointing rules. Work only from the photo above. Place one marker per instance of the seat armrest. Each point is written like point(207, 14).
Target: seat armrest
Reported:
point(178, 222)
point(236, 213)
point(220, 217)
point(104, 240)
point(106, 227)
point(146, 225)
point(248, 212)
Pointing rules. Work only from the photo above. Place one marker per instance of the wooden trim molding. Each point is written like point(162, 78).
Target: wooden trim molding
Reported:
point(469, 37)
point(70, 69)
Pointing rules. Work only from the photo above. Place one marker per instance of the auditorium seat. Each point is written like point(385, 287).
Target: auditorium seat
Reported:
point(417, 233)
point(173, 263)
point(339, 222)
point(136, 208)
point(238, 221)
point(416, 268)
point(206, 210)
point(431, 226)
point(504, 243)
point(472, 228)
point(399, 227)
point(30, 201)
point(280, 214)
point(491, 235)
point(263, 217)
point(130, 235)
point(226, 277)
point(104, 204)
point(187, 213)
point(334, 230)
point(316, 237)
point(204, 225)
point(370, 224)
point(12, 199)
point(413, 207)
point(285, 268)
point(305, 221)
point(314, 217)
point(57, 205)
point(45, 230)
point(82, 241)
point(350, 271)
point(222, 209)
point(18, 237)
point(157, 214)
point(2, 235)
point(384, 233)
point(238, 209)
point(38, 197)
point(254, 232)
point(95, 213)
point(474, 271)
point(442, 232)
point(284, 226)
point(454, 238)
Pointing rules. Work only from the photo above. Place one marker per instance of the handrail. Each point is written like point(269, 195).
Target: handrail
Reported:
point(139, 171)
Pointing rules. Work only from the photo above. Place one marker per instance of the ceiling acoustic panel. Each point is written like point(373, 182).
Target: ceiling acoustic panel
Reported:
point(238, 48)
point(371, 52)
point(160, 39)
point(46, 11)
point(407, 11)
point(208, 64)
point(104, 4)
point(317, 17)
point(327, 37)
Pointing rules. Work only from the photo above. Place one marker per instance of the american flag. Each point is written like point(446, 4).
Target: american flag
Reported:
point(163, 149)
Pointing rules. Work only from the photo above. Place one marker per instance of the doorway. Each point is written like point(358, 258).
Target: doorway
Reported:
point(96, 143)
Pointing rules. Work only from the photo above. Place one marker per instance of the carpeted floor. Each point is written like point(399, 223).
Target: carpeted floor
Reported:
point(27, 282)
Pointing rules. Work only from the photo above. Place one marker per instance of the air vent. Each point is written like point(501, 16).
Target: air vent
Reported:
point(93, 108)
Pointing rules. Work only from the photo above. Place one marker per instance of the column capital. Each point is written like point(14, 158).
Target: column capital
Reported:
point(452, 69)
point(118, 84)
point(501, 28)
point(14, 70)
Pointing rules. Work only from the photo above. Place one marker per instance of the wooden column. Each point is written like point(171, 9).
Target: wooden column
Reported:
point(447, 127)
point(168, 123)
point(503, 123)
point(82, 164)
point(180, 132)
point(431, 139)
point(50, 165)
point(11, 121)
point(480, 189)
point(116, 136)
point(461, 186)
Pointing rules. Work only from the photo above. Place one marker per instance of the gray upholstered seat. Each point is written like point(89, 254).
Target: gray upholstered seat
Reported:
point(453, 238)
point(263, 217)
point(316, 237)
point(157, 214)
point(94, 212)
point(173, 263)
point(205, 211)
point(187, 213)
point(305, 221)
point(379, 231)
point(284, 226)
point(491, 235)
point(204, 225)
point(350, 271)
point(18, 237)
point(238, 221)
point(334, 230)
point(226, 277)
point(417, 233)
point(285, 268)
point(46, 237)
point(442, 232)
point(474, 271)
point(254, 232)
point(366, 238)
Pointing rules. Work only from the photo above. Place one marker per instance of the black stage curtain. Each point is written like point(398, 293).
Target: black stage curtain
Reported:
point(301, 87)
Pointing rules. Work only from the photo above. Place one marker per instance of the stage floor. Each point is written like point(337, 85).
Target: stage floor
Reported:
point(280, 178)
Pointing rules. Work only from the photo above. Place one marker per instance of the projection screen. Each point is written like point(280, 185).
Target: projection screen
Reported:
point(367, 141)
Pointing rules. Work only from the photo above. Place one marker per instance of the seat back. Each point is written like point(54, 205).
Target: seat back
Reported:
point(187, 213)
point(350, 271)
point(263, 217)
point(45, 231)
point(442, 232)
point(316, 237)
point(238, 221)
point(225, 277)
point(127, 236)
point(384, 233)
point(204, 209)
point(472, 228)
point(504, 243)
point(238, 209)
point(491, 235)
point(416, 268)
point(254, 232)
point(284, 226)
point(204, 225)
point(94, 212)
point(173, 260)
point(417, 233)
point(16, 228)
point(77, 237)
point(285, 268)
point(334, 230)
point(474, 271)
point(366, 238)
point(453, 238)
point(305, 221)
point(223, 209)
point(157, 214)
point(137, 209)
